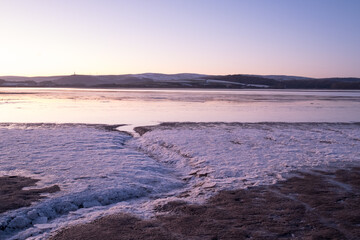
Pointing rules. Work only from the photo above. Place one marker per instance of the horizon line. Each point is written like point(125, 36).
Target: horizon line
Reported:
point(81, 74)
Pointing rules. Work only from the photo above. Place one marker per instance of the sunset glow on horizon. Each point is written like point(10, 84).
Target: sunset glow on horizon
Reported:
point(314, 38)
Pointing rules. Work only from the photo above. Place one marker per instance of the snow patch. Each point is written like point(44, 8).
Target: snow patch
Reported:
point(90, 164)
point(230, 156)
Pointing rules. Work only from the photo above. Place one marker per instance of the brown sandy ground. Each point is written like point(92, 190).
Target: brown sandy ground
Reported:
point(314, 205)
point(12, 196)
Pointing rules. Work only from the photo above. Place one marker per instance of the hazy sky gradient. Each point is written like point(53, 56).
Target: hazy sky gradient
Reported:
point(318, 38)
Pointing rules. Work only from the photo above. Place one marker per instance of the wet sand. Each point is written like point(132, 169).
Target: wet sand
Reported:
point(12, 195)
point(310, 205)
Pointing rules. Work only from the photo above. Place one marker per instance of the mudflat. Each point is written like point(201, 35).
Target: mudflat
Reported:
point(12, 195)
point(309, 205)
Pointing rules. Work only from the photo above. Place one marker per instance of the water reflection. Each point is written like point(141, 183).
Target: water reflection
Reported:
point(146, 107)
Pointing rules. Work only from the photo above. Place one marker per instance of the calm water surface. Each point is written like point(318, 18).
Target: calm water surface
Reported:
point(151, 106)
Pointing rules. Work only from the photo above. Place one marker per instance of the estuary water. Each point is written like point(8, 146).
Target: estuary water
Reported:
point(136, 107)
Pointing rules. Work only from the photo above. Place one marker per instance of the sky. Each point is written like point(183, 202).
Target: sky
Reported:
point(314, 38)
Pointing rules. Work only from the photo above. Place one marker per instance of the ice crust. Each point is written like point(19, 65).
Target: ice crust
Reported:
point(91, 166)
point(212, 157)
point(102, 172)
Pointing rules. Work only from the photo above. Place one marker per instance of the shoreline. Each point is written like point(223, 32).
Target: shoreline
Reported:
point(316, 205)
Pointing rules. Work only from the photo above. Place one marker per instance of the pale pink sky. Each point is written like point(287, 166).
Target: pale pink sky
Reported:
point(318, 38)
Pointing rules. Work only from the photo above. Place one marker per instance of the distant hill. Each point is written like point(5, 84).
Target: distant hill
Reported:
point(182, 80)
point(24, 79)
point(78, 80)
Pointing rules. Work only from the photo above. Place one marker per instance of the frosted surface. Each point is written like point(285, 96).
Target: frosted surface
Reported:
point(90, 164)
point(224, 156)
